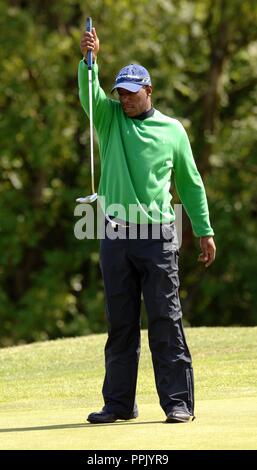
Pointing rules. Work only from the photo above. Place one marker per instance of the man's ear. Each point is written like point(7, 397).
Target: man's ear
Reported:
point(149, 90)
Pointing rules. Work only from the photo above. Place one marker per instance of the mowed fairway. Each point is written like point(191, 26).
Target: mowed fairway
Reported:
point(48, 389)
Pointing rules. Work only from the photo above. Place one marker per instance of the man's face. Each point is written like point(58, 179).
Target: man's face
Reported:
point(137, 103)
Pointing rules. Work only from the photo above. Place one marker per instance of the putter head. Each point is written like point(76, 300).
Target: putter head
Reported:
point(87, 199)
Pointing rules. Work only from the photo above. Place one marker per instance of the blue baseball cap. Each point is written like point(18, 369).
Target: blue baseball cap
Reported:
point(132, 78)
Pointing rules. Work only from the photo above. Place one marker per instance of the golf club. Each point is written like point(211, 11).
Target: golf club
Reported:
point(93, 196)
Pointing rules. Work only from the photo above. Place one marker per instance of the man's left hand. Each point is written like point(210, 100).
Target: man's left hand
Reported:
point(208, 248)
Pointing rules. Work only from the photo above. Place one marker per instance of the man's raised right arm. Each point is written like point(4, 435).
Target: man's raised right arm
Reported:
point(102, 112)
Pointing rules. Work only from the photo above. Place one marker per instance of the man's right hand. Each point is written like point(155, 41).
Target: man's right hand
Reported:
point(89, 42)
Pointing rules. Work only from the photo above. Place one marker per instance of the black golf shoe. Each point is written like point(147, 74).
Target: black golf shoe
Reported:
point(102, 416)
point(179, 417)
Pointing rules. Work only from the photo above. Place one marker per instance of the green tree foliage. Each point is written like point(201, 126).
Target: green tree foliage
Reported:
point(202, 56)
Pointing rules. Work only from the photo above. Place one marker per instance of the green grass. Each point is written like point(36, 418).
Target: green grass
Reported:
point(47, 390)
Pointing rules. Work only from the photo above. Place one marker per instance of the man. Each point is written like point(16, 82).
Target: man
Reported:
point(139, 150)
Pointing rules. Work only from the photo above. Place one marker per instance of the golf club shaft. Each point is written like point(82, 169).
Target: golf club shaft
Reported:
point(91, 130)
point(90, 90)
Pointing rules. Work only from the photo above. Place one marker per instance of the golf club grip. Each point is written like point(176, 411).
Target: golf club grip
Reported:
point(89, 24)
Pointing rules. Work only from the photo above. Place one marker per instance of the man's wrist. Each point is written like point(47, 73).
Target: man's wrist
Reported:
point(85, 60)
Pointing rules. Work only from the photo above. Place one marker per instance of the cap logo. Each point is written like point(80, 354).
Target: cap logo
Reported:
point(134, 78)
point(130, 76)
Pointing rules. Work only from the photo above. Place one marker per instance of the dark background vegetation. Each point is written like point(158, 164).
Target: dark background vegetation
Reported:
point(202, 56)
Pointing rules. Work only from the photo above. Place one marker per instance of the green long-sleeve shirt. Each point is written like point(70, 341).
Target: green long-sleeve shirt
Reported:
point(138, 159)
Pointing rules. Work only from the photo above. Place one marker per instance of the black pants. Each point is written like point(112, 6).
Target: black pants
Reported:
point(129, 267)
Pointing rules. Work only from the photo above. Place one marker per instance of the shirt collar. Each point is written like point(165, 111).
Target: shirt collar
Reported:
point(144, 115)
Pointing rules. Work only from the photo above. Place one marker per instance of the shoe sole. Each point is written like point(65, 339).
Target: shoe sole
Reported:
point(179, 420)
point(92, 421)
point(95, 421)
